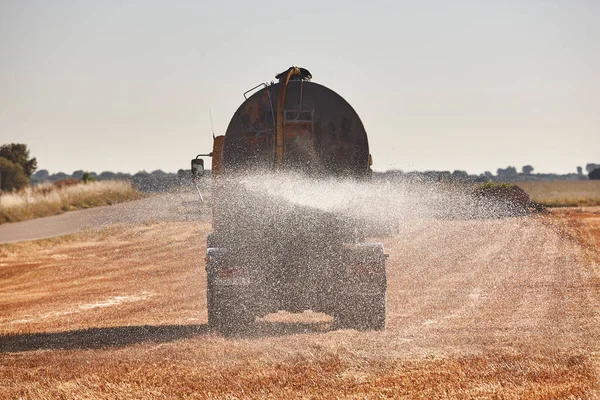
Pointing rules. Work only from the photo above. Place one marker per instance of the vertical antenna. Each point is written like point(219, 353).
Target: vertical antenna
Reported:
point(211, 124)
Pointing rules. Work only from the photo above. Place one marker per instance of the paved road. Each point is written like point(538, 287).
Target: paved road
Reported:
point(182, 206)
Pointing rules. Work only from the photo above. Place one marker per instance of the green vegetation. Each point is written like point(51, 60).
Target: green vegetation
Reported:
point(12, 176)
point(15, 166)
point(86, 177)
point(490, 185)
point(19, 154)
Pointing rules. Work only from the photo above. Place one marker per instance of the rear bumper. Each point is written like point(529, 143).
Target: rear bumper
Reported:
point(357, 271)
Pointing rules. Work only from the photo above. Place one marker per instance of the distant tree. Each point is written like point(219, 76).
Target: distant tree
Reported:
point(77, 174)
point(482, 178)
point(589, 167)
point(579, 171)
point(395, 173)
point(86, 177)
point(157, 181)
point(439, 176)
point(19, 154)
point(106, 175)
point(58, 176)
point(13, 177)
point(595, 174)
point(507, 171)
point(42, 174)
point(488, 174)
point(143, 181)
point(457, 174)
point(527, 169)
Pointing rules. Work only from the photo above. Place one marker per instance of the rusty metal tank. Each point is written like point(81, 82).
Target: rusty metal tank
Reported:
point(323, 135)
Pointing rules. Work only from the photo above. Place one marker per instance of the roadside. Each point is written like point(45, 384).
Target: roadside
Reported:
point(47, 199)
point(179, 206)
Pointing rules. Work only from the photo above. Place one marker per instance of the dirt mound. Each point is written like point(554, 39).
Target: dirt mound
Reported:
point(512, 199)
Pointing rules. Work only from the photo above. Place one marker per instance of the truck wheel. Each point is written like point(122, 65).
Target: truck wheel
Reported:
point(226, 315)
point(362, 312)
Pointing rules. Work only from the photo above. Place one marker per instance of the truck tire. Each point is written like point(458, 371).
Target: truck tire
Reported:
point(361, 312)
point(226, 314)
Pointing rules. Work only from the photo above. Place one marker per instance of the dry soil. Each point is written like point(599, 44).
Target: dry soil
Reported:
point(503, 308)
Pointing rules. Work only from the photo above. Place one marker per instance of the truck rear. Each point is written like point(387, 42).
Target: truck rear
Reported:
point(264, 254)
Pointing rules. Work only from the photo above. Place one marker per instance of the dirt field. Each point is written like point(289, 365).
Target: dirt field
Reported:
point(506, 308)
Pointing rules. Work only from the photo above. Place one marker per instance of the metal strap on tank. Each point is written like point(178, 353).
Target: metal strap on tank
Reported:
point(279, 142)
point(271, 104)
point(300, 105)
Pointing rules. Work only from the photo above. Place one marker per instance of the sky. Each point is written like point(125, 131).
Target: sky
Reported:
point(475, 85)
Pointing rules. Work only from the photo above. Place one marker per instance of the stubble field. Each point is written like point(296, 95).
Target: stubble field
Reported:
point(500, 308)
point(564, 193)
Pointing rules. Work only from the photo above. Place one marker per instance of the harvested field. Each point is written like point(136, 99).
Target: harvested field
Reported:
point(502, 308)
point(563, 193)
point(583, 225)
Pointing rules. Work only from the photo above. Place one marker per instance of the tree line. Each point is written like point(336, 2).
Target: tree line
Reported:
point(155, 181)
point(18, 170)
point(508, 174)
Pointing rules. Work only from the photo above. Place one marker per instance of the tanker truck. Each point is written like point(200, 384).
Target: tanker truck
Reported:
point(264, 256)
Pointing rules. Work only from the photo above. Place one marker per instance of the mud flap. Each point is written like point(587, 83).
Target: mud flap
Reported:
point(228, 311)
point(228, 298)
point(361, 302)
point(361, 312)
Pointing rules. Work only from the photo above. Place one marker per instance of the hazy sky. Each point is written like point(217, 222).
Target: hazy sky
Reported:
point(473, 85)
